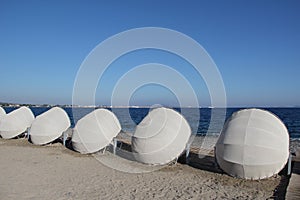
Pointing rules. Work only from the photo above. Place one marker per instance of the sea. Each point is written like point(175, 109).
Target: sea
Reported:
point(200, 119)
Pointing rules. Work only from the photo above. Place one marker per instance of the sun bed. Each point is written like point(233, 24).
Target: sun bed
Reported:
point(160, 137)
point(95, 131)
point(254, 144)
point(49, 126)
point(16, 122)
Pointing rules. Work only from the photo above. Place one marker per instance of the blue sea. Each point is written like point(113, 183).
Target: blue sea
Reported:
point(198, 118)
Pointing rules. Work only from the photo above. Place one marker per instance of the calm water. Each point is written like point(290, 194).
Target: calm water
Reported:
point(200, 125)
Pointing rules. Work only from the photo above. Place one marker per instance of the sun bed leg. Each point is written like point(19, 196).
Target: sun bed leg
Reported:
point(65, 136)
point(187, 153)
point(27, 133)
point(289, 170)
point(103, 151)
point(115, 141)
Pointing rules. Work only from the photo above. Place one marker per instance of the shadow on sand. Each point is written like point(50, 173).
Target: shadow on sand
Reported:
point(205, 162)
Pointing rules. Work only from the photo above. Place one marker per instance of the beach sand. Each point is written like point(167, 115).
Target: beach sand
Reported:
point(55, 172)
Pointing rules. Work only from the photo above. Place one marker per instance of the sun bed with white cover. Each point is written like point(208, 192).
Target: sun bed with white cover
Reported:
point(95, 131)
point(160, 137)
point(49, 126)
point(16, 122)
point(254, 144)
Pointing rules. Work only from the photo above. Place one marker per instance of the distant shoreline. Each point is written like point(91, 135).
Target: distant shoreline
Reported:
point(135, 106)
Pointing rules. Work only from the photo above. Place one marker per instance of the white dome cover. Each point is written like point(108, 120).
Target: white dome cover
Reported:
point(49, 126)
point(2, 112)
point(160, 137)
point(95, 131)
point(254, 144)
point(16, 122)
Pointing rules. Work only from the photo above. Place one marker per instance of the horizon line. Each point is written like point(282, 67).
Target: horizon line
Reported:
point(132, 106)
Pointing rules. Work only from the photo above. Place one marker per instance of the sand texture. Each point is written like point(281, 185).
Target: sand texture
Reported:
point(55, 172)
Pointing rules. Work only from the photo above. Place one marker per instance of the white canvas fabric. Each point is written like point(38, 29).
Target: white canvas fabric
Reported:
point(95, 131)
point(2, 112)
point(254, 144)
point(160, 137)
point(49, 126)
point(16, 122)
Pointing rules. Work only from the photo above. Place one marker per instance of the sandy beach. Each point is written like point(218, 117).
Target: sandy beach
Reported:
point(138, 100)
point(55, 172)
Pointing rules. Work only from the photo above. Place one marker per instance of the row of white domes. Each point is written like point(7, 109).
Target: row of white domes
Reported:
point(253, 144)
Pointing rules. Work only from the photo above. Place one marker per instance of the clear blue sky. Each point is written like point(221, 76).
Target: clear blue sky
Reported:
point(255, 44)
